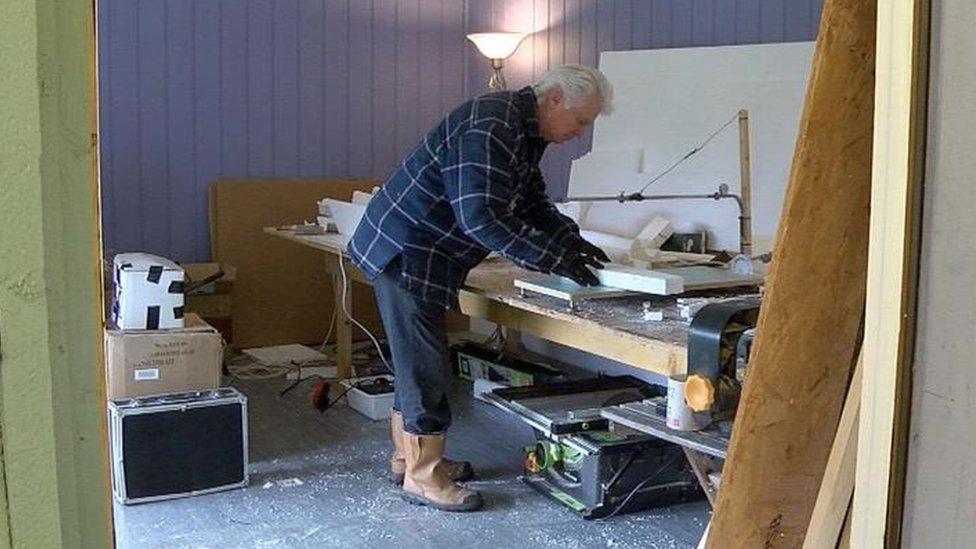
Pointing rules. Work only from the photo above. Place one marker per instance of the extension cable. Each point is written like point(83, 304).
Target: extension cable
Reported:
point(345, 311)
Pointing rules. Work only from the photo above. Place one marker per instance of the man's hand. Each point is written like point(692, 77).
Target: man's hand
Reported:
point(588, 253)
point(576, 270)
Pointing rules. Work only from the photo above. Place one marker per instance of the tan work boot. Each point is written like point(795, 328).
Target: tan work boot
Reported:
point(426, 483)
point(458, 471)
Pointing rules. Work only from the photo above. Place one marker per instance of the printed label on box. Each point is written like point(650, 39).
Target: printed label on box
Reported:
point(146, 374)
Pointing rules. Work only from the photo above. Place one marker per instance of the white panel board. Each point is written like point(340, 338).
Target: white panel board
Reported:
point(640, 280)
point(665, 103)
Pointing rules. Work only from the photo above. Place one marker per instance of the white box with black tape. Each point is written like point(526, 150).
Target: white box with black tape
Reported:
point(148, 292)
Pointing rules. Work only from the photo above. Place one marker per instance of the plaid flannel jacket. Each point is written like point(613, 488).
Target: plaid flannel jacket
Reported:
point(472, 185)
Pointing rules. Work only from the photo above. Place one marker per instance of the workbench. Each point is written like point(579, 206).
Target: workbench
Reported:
point(612, 328)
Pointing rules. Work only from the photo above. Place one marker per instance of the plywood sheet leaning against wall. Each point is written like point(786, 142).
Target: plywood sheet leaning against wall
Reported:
point(808, 333)
point(282, 292)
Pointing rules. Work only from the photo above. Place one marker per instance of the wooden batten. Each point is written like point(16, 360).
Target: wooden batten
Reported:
point(808, 329)
point(827, 523)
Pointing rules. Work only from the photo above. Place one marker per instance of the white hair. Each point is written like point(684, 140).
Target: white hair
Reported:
point(578, 83)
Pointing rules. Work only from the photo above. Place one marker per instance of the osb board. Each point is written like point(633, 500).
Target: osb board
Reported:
point(282, 293)
point(807, 336)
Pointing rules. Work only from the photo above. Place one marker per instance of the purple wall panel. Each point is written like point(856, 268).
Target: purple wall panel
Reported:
point(206, 60)
point(335, 91)
point(623, 13)
point(430, 76)
point(260, 46)
point(407, 75)
point(284, 103)
point(682, 20)
point(178, 206)
point(747, 21)
point(360, 138)
point(641, 25)
point(796, 21)
point(233, 93)
point(152, 152)
point(605, 25)
point(312, 91)
point(194, 90)
point(384, 84)
point(772, 21)
point(703, 23)
point(661, 31)
point(724, 22)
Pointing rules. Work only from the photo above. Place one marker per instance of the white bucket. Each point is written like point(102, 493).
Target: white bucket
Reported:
point(679, 416)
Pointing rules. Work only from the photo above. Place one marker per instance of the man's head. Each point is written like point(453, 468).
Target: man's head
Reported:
point(570, 98)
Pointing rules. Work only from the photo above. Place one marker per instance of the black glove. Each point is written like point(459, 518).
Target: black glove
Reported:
point(588, 253)
point(577, 271)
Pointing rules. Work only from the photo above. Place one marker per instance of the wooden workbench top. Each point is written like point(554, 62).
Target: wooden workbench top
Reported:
point(613, 328)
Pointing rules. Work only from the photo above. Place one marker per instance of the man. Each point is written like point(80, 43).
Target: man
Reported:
point(471, 186)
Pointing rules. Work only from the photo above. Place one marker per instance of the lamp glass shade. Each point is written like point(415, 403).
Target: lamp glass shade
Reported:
point(497, 45)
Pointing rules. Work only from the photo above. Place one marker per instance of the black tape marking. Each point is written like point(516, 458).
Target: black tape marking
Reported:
point(178, 312)
point(152, 317)
point(176, 287)
point(155, 273)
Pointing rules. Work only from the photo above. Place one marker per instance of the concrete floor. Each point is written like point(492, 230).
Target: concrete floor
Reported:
point(318, 480)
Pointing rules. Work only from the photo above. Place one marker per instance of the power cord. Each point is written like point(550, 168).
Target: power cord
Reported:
point(328, 334)
point(637, 488)
point(345, 290)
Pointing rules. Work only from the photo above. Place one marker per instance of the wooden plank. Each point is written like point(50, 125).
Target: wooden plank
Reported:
point(892, 271)
point(703, 542)
point(745, 184)
point(655, 356)
point(845, 533)
point(808, 329)
point(279, 296)
point(837, 488)
point(700, 466)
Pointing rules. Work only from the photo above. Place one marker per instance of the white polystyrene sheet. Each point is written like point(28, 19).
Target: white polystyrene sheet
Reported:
point(665, 103)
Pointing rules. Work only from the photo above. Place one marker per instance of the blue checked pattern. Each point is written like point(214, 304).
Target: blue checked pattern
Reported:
point(472, 185)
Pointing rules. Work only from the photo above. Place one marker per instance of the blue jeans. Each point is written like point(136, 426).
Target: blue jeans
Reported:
point(416, 333)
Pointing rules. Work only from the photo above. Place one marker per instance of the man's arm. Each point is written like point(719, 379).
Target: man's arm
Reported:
point(542, 214)
point(478, 180)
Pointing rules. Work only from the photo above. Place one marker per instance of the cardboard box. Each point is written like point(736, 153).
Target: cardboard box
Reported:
point(151, 362)
point(214, 302)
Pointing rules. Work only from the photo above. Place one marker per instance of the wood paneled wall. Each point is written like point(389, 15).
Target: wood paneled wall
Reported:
point(193, 90)
point(576, 31)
